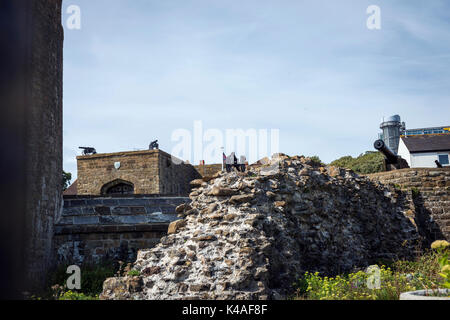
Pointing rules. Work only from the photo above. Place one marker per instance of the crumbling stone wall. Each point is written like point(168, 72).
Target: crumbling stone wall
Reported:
point(94, 229)
point(250, 235)
point(429, 195)
point(150, 172)
point(208, 170)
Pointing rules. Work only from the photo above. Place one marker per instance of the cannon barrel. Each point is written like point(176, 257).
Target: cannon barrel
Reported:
point(391, 161)
point(88, 150)
point(384, 149)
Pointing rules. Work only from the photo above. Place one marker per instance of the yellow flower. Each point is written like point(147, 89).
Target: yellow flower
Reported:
point(440, 244)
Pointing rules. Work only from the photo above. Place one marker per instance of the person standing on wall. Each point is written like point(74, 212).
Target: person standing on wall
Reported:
point(224, 160)
point(235, 162)
point(229, 162)
point(242, 162)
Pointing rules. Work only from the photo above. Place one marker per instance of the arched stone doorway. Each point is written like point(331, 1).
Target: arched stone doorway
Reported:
point(117, 187)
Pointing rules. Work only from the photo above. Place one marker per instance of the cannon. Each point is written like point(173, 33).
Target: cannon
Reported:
point(154, 145)
point(87, 151)
point(391, 160)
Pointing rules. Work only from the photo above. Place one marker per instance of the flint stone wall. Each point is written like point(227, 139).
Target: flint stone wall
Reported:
point(429, 193)
point(251, 235)
point(93, 229)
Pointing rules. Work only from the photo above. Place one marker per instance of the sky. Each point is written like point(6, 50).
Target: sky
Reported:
point(139, 70)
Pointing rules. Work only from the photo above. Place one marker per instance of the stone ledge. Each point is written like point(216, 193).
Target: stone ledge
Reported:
point(408, 170)
point(131, 197)
point(80, 229)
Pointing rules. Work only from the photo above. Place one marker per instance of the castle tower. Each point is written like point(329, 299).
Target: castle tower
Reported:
point(31, 92)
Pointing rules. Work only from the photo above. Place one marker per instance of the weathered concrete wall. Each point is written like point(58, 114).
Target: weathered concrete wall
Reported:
point(429, 193)
point(150, 171)
point(44, 134)
point(93, 229)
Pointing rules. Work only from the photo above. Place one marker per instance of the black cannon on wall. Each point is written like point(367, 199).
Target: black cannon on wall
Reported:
point(87, 151)
point(391, 160)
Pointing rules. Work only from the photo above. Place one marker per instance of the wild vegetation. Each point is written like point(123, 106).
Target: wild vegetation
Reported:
point(366, 163)
point(430, 271)
point(66, 177)
point(92, 278)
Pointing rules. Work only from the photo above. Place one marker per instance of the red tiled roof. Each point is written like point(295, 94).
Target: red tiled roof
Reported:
point(72, 190)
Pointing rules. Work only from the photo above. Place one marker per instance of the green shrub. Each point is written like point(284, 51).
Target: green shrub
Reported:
point(423, 273)
point(354, 286)
point(316, 161)
point(366, 163)
point(415, 192)
point(72, 295)
point(134, 273)
point(442, 248)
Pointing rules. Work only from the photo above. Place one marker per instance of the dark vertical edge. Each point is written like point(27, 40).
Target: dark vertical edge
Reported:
point(14, 56)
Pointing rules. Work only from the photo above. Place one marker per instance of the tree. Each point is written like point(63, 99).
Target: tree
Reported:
point(67, 177)
point(316, 160)
point(366, 163)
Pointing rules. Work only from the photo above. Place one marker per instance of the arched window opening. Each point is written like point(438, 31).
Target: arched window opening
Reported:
point(118, 187)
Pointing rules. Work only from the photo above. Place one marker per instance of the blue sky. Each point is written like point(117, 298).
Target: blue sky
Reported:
point(140, 69)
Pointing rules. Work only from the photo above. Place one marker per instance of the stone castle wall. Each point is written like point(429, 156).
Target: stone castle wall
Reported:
point(44, 134)
point(150, 172)
point(174, 179)
point(31, 138)
point(94, 229)
point(136, 167)
point(429, 190)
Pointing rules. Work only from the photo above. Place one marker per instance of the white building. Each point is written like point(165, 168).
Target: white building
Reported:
point(422, 151)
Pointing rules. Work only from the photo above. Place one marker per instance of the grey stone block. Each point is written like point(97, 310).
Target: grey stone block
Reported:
point(120, 210)
point(65, 221)
point(103, 210)
point(69, 211)
point(88, 210)
point(86, 220)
